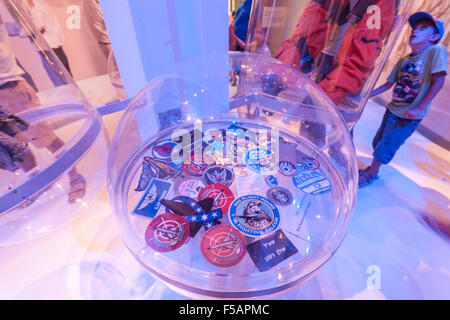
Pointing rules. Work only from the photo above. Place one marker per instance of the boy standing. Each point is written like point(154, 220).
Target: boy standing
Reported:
point(418, 77)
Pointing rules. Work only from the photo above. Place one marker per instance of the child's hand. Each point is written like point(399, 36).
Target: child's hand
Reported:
point(381, 89)
point(412, 114)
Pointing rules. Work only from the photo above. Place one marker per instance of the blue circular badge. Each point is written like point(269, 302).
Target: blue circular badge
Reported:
point(260, 160)
point(254, 215)
point(218, 174)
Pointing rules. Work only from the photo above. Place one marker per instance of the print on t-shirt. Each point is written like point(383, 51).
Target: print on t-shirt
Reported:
point(409, 82)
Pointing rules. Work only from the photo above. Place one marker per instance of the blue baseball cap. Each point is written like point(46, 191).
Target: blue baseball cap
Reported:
point(422, 15)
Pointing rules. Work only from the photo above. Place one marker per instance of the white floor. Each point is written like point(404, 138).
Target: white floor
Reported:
point(397, 245)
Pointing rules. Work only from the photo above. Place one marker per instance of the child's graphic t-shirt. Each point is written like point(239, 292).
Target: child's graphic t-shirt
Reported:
point(412, 77)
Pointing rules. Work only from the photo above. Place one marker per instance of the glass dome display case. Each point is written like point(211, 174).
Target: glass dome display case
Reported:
point(238, 197)
point(52, 140)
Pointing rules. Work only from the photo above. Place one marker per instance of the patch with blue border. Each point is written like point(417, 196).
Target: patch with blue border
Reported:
point(254, 215)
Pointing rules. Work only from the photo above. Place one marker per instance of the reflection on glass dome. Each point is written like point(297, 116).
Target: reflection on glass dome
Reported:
point(232, 198)
point(50, 137)
point(341, 45)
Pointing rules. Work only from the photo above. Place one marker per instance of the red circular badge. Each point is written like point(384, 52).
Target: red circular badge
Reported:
point(222, 195)
point(167, 232)
point(223, 246)
point(195, 167)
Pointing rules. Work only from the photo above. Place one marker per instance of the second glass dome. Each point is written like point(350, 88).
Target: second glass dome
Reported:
point(52, 141)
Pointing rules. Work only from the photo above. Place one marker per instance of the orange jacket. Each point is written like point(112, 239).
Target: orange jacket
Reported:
point(312, 26)
point(358, 51)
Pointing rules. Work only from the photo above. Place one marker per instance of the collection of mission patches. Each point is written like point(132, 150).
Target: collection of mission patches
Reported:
point(205, 197)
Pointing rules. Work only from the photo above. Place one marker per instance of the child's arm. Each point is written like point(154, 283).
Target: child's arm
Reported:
point(240, 42)
point(391, 79)
point(381, 89)
point(437, 82)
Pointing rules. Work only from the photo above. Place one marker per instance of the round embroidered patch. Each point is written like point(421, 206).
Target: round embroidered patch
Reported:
point(163, 149)
point(218, 174)
point(223, 246)
point(222, 195)
point(167, 232)
point(254, 215)
point(280, 196)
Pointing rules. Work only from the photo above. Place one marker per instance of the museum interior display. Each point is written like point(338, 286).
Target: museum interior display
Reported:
point(163, 158)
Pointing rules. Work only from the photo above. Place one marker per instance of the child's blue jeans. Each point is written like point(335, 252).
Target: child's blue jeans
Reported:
point(392, 133)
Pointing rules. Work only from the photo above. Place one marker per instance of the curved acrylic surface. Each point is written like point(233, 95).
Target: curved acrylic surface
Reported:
point(264, 94)
point(36, 202)
point(54, 166)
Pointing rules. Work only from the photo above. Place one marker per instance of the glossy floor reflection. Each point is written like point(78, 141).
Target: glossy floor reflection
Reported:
point(397, 245)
